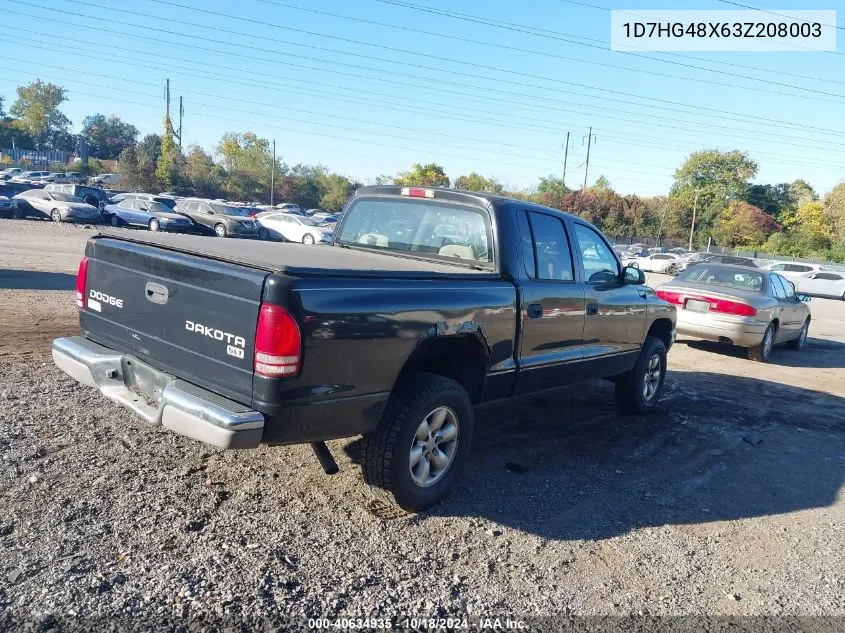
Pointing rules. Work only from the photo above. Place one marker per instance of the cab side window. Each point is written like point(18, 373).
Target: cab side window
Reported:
point(600, 266)
point(553, 259)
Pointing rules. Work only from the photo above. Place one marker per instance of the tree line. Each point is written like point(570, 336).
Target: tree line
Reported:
point(712, 187)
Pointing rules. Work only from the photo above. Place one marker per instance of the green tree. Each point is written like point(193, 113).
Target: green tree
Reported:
point(551, 191)
point(128, 168)
point(812, 222)
point(2, 114)
point(108, 136)
point(336, 190)
point(717, 178)
point(834, 209)
point(430, 175)
point(743, 224)
point(13, 134)
point(477, 182)
point(150, 146)
point(37, 111)
point(203, 177)
point(247, 160)
point(169, 162)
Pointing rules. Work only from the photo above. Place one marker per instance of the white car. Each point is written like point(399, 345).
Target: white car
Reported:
point(793, 270)
point(57, 177)
point(827, 283)
point(657, 263)
point(10, 172)
point(105, 179)
point(29, 177)
point(293, 228)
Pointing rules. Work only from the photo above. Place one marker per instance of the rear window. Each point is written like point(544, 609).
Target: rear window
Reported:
point(448, 231)
point(723, 277)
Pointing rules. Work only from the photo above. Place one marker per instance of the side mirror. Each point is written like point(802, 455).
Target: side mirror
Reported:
point(804, 298)
point(632, 275)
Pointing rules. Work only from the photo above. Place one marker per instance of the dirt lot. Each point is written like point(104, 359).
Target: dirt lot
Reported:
point(726, 502)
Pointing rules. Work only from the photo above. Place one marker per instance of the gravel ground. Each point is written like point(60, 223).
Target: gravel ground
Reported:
point(725, 502)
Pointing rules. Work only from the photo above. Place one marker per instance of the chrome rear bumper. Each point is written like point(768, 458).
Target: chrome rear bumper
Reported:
point(157, 397)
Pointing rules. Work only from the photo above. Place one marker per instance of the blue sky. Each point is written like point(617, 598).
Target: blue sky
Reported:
point(367, 99)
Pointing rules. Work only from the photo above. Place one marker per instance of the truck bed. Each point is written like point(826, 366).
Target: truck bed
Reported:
point(298, 259)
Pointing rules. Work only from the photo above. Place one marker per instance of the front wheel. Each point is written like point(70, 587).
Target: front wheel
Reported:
point(154, 225)
point(419, 448)
point(761, 352)
point(18, 214)
point(56, 215)
point(115, 221)
point(308, 239)
point(220, 230)
point(263, 234)
point(639, 390)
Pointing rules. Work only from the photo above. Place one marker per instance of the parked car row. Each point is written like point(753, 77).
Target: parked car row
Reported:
point(168, 212)
point(34, 177)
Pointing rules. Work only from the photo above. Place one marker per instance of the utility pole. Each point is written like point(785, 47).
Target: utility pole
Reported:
point(565, 156)
point(181, 113)
point(692, 228)
point(177, 134)
point(587, 166)
point(273, 174)
point(563, 179)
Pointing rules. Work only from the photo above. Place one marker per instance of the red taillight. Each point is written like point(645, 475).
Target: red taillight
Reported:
point(417, 192)
point(81, 282)
point(724, 306)
point(670, 297)
point(730, 307)
point(278, 346)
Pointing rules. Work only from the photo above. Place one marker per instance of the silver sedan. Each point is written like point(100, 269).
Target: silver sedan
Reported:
point(824, 283)
point(59, 207)
point(738, 305)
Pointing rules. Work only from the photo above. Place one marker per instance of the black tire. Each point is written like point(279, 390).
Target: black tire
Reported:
point(18, 214)
point(220, 230)
point(632, 394)
point(387, 450)
point(263, 234)
point(761, 353)
point(56, 215)
point(114, 220)
point(798, 343)
point(308, 239)
point(154, 226)
point(674, 269)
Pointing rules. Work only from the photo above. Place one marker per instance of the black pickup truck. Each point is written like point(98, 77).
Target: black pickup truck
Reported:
point(427, 302)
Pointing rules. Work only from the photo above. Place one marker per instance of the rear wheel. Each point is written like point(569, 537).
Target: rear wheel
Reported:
point(761, 352)
point(18, 214)
point(115, 221)
point(154, 225)
point(639, 390)
point(55, 215)
point(798, 343)
point(220, 230)
point(308, 239)
point(421, 444)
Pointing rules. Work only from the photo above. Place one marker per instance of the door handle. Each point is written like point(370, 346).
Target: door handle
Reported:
point(534, 310)
point(592, 308)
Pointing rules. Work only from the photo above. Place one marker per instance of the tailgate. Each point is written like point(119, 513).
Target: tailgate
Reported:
point(187, 315)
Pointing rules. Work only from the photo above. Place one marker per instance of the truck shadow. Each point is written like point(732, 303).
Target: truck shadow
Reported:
point(818, 353)
point(566, 465)
point(12, 279)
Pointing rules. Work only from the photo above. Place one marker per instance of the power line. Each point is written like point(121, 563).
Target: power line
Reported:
point(368, 140)
point(382, 47)
point(377, 124)
point(502, 46)
point(551, 123)
point(487, 99)
point(788, 17)
point(520, 28)
point(429, 87)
